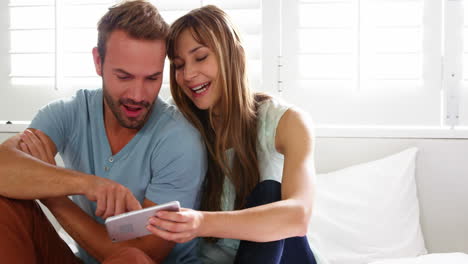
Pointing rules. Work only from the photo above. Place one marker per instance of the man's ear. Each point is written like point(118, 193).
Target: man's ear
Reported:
point(97, 61)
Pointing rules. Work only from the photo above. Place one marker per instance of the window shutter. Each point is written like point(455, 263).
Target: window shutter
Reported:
point(363, 62)
point(246, 14)
point(50, 43)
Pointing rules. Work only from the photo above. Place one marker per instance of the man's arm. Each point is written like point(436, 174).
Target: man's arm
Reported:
point(23, 176)
point(93, 236)
point(29, 174)
point(89, 234)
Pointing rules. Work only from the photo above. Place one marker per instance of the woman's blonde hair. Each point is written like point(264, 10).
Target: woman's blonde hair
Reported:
point(210, 26)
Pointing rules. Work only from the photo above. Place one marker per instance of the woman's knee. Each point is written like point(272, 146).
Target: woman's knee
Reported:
point(265, 192)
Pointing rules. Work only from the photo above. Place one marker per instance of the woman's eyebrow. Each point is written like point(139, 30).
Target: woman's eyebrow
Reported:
point(196, 48)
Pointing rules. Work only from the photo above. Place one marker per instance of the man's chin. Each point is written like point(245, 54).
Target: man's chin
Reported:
point(132, 124)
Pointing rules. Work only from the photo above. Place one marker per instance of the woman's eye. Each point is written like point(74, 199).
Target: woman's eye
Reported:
point(201, 58)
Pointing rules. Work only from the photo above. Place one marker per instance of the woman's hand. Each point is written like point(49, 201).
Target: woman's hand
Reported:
point(179, 227)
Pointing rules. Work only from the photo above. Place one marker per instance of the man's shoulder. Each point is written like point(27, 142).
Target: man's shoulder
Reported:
point(172, 117)
point(81, 97)
point(171, 125)
point(87, 95)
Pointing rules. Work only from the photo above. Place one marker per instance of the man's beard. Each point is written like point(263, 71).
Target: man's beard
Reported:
point(127, 122)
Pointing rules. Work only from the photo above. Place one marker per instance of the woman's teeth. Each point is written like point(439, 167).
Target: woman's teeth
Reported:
point(201, 88)
point(200, 91)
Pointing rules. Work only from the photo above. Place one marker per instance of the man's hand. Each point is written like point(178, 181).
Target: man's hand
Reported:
point(112, 198)
point(35, 144)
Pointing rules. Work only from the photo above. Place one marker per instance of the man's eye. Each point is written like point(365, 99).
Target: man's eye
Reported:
point(153, 78)
point(123, 77)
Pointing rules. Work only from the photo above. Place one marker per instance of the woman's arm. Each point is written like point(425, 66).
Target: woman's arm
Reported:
point(286, 218)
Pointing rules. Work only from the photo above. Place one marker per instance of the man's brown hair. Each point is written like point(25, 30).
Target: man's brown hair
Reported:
point(138, 18)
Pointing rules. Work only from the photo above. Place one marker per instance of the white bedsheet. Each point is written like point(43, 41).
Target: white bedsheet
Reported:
point(445, 258)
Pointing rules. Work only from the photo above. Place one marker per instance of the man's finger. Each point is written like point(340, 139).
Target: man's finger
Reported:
point(43, 138)
point(31, 146)
point(37, 144)
point(131, 202)
point(110, 205)
point(101, 204)
point(119, 203)
point(24, 148)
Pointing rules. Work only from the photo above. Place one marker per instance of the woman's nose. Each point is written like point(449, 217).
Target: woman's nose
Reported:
point(190, 72)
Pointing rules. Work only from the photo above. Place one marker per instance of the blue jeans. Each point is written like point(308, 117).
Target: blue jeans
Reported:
point(294, 250)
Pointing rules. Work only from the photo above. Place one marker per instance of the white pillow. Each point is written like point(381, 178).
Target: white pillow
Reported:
point(449, 258)
point(368, 212)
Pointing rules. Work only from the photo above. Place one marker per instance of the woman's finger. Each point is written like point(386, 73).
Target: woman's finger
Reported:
point(180, 217)
point(170, 226)
point(167, 235)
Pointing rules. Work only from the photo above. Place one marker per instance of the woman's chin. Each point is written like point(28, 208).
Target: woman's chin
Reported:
point(202, 106)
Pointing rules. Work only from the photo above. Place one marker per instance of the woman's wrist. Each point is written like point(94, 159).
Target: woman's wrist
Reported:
point(204, 229)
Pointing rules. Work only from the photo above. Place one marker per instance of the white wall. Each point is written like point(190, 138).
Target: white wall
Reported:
point(4, 136)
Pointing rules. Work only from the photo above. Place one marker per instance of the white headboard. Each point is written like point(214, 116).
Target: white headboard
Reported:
point(441, 175)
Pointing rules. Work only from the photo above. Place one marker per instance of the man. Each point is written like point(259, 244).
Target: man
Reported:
point(123, 148)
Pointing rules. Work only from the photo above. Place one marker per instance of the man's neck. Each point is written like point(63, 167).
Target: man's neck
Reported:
point(117, 135)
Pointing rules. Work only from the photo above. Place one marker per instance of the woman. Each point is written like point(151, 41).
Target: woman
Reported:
point(260, 181)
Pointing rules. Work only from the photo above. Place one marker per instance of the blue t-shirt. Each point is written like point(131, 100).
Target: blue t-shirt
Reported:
point(165, 161)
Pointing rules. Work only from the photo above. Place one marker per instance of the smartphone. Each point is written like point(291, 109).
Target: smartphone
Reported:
point(133, 224)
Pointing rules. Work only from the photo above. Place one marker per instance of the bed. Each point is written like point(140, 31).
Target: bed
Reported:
point(391, 201)
point(427, 223)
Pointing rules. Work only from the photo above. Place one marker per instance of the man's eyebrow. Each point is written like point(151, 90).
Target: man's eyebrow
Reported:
point(155, 75)
point(121, 71)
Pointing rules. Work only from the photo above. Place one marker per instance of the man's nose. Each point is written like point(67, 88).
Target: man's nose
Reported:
point(137, 91)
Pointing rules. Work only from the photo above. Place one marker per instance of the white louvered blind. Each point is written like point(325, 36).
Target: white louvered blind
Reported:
point(364, 62)
point(246, 14)
point(463, 37)
point(50, 42)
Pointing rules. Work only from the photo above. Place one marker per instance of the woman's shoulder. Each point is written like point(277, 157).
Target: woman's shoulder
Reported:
point(269, 113)
point(271, 107)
